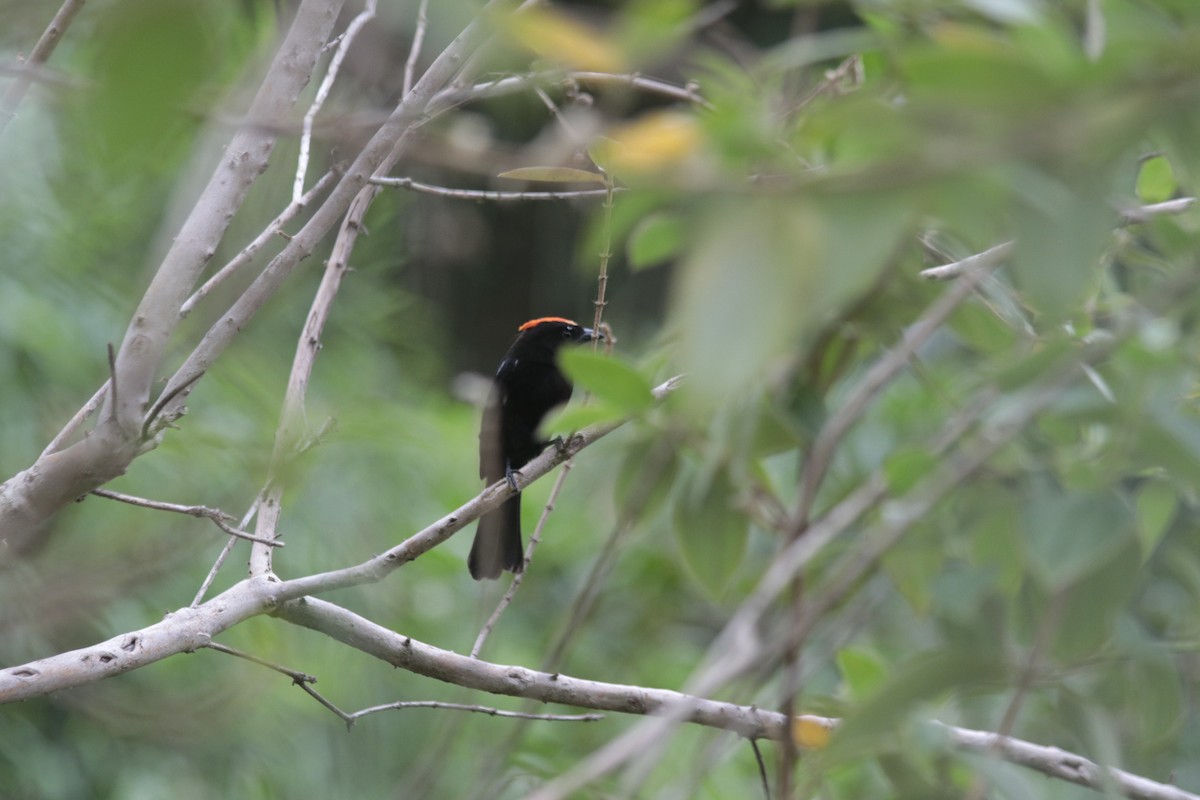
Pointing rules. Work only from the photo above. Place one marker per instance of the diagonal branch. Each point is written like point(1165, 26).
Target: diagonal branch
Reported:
point(188, 628)
point(31, 497)
point(39, 55)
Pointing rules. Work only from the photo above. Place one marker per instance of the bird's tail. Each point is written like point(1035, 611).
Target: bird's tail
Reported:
point(497, 543)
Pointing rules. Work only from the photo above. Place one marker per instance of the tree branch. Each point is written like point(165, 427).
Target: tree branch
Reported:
point(188, 628)
point(34, 495)
point(39, 55)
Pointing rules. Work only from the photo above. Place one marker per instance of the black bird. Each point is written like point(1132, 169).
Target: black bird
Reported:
point(528, 385)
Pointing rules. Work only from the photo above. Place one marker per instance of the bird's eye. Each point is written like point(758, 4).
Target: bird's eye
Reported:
point(568, 332)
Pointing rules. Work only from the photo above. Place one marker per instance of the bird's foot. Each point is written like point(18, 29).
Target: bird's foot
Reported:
point(510, 475)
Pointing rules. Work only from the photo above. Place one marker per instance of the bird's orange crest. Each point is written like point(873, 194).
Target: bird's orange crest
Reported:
point(533, 323)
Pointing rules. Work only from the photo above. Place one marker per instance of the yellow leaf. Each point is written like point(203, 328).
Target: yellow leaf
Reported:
point(812, 732)
point(655, 142)
point(556, 37)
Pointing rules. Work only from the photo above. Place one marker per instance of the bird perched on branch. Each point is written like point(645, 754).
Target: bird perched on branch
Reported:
point(527, 386)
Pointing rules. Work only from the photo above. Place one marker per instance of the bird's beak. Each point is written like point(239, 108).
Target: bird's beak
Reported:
point(589, 335)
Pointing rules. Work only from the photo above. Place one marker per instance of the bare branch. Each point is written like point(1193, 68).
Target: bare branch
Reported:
point(216, 516)
point(296, 676)
point(39, 55)
point(456, 96)
point(376, 157)
point(275, 228)
point(335, 65)
point(986, 260)
point(414, 52)
point(479, 194)
point(288, 436)
point(73, 424)
point(1133, 216)
point(32, 496)
point(491, 712)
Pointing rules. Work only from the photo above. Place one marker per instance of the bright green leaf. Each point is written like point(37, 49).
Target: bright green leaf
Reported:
point(608, 379)
point(656, 239)
point(578, 417)
point(862, 671)
point(1156, 180)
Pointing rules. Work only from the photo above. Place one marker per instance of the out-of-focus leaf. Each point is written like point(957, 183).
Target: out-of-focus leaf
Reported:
point(862, 671)
point(913, 568)
point(996, 541)
point(576, 417)
point(656, 239)
point(553, 175)
point(645, 479)
point(1069, 535)
point(907, 466)
point(1156, 502)
point(980, 328)
point(608, 378)
point(551, 34)
point(1156, 180)
point(656, 142)
point(762, 277)
point(875, 724)
point(711, 530)
point(811, 733)
point(1061, 231)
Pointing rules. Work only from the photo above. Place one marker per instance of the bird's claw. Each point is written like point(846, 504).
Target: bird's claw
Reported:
point(510, 475)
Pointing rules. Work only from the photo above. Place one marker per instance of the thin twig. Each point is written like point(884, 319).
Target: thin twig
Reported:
point(985, 260)
point(112, 383)
point(162, 401)
point(491, 712)
point(335, 64)
point(762, 769)
point(296, 676)
point(40, 54)
point(275, 228)
point(225, 551)
point(456, 96)
point(74, 422)
point(216, 516)
point(479, 194)
point(1133, 216)
point(534, 540)
point(288, 440)
point(414, 52)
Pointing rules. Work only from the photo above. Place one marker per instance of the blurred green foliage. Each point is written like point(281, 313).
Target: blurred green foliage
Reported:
point(786, 242)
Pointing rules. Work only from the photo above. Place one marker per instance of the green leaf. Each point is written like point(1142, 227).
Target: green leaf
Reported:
point(906, 466)
point(608, 379)
point(710, 528)
point(762, 277)
point(656, 239)
point(982, 329)
point(574, 418)
point(645, 479)
point(554, 175)
point(1155, 180)
point(1156, 502)
point(862, 671)
point(1070, 535)
point(1061, 231)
